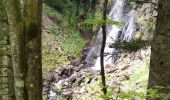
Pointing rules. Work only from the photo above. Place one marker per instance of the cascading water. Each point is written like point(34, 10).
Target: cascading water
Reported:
point(120, 12)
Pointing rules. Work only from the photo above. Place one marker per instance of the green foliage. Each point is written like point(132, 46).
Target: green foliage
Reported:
point(131, 46)
point(109, 95)
point(154, 93)
point(132, 95)
point(3, 17)
point(52, 12)
point(59, 3)
point(54, 31)
point(3, 30)
point(64, 35)
point(98, 21)
point(71, 11)
point(52, 60)
point(114, 94)
point(73, 44)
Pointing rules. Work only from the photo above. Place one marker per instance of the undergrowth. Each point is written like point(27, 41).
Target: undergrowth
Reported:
point(67, 40)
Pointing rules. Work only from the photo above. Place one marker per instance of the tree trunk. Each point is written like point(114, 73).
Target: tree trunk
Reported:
point(6, 72)
point(25, 28)
point(6, 79)
point(17, 47)
point(32, 29)
point(3, 80)
point(10, 74)
point(103, 47)
point(160, 57)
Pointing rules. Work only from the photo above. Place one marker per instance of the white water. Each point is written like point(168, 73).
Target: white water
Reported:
point(119, 12)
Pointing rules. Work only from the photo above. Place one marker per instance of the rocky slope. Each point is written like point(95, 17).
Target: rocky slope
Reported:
point(73, 80)
point(128, 73)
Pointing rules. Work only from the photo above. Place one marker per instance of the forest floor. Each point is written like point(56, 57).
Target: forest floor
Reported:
point(66, 78)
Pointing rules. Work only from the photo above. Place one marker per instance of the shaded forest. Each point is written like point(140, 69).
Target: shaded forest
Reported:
point(84, 50)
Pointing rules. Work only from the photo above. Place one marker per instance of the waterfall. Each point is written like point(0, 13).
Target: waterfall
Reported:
point(121, 12)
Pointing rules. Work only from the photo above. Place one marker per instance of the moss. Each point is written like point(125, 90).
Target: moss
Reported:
point(140, 77)
point(54, 31)
point(74, 44)
point(64, 40)
point(53, 60)
point(52, 12)
point(147, 27)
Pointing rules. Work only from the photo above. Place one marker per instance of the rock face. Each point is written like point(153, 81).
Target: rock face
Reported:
point(139, 23)
point(146, 18)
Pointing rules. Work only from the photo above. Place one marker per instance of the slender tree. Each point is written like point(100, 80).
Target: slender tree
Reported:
point(24, 18)
point(103, 47)
point(160, 53)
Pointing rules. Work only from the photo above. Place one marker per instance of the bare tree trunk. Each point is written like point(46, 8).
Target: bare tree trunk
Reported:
point(160, 53)
point(32, 29)
point(3, 33)
point(6, 79)
point(6, 71)
point(3, 80)
point(103, 47)
point(10, 74)
point(25, 28)
point(17, 40)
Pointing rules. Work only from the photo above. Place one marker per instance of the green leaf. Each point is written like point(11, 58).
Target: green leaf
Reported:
point(98, 21)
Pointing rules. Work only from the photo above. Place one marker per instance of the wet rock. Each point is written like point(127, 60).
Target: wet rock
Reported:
point(70, 80)
point(75, 63)
point(57, 77)
point(45, 89)
point(83, 90)
point(67, 93)
point(57, 87)
point(71, 58)
point(64, 72)
point(125, 67)
point(49, 78)
point(112, 71)
point(73, 77)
